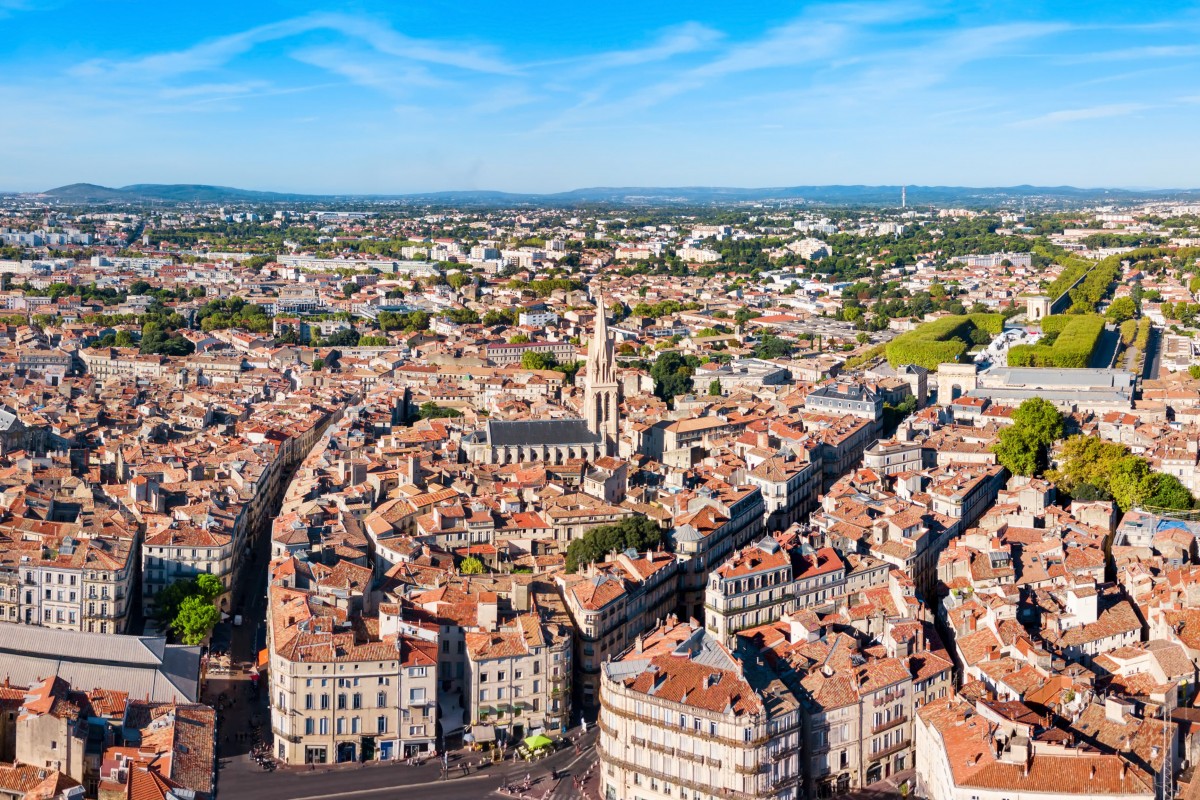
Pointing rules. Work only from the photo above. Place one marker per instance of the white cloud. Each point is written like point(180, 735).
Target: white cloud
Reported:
point(218, 52)
point(1080, 114)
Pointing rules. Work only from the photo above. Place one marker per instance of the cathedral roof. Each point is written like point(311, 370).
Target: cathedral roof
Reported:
point(539, 432)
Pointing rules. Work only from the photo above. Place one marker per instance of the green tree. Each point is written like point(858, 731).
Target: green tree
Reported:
point(1160, 490)
point(532, 359)
point(349, 289)
point(318, 364)
point(672, 376)
point(520, 338)
point(458, 280)
point(461, 316)
point(1040, 419)
point(771, 346)
point(123, 339)
point(432, 410)
point(209, 586)
point(638, 532)
point(470, 565)
point(1018, 452)
point(195, 620)
point(1121, 309)
point(1023, 447)
point(1127, 483)
point(714, 388)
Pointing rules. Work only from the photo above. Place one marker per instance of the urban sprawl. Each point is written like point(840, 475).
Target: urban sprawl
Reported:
point(765, 501)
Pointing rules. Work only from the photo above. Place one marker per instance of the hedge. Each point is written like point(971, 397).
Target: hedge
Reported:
point(940, 341)
point(1071, 350)
point(1143, 334)
point(1128, 331)
point(1056, 323)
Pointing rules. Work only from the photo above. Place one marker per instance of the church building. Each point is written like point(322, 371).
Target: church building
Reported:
point(556, 441)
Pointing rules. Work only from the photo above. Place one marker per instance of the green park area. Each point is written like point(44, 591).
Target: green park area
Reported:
point(943, 340)
point(1067, 342)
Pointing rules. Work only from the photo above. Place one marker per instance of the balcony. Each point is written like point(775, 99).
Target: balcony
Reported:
point(887, 724)
point(896, 748)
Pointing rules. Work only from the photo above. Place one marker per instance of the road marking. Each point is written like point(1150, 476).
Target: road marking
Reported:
point(584, 754)
point(391, 788)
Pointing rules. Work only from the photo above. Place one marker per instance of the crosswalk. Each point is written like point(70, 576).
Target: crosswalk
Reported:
point(565, 789)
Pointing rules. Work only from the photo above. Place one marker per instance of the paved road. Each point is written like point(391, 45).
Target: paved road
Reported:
point(1106, 348)
point(242, 779)
point(1153, 355)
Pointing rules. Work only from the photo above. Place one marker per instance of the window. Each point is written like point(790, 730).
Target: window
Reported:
point(356, 700)
point(381, 724)
point(308, 703)
point(324, 726)
point(341, 702)
point(416, 695)
point(308, 726)
point(381, 699)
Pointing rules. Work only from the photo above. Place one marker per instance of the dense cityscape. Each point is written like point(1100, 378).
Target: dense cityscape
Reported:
point(752, 499)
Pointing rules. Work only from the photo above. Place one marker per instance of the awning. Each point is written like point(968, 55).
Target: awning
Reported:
point(539, 742)
point(264, 658)
point(483, 733)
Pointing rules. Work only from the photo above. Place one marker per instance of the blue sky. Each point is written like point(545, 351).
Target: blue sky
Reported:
point(416, 96)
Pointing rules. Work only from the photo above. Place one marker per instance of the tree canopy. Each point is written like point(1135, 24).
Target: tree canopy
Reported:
point(1090, 468)
point(1023, 447)
point(672, 375)
point(186, 607)
point(638, 532)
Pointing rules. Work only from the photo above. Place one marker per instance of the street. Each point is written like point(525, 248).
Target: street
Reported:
point(241, 778)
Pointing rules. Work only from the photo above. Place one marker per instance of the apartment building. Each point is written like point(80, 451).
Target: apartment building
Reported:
point(841, 398)
point(968, 752)
point(772, 577)
point(67, 580)
point(789, 489)
point(340, 692)
point(518, 674)
point(682, 717)
point(714, 524)
point(610, 604)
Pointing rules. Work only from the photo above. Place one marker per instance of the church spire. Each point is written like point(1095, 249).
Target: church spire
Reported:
point(600, 352)
point(602, 397)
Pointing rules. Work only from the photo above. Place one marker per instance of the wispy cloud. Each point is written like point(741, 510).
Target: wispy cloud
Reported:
point(218, 52)
point(1081, 114)
point(1135, 54)
point(690, 37)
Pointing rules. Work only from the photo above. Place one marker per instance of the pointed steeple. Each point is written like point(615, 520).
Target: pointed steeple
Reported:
point(600, 352)
point(602, 395)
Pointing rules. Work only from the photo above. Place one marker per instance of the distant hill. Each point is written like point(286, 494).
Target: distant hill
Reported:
point(850, 195)
point(165, 192)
